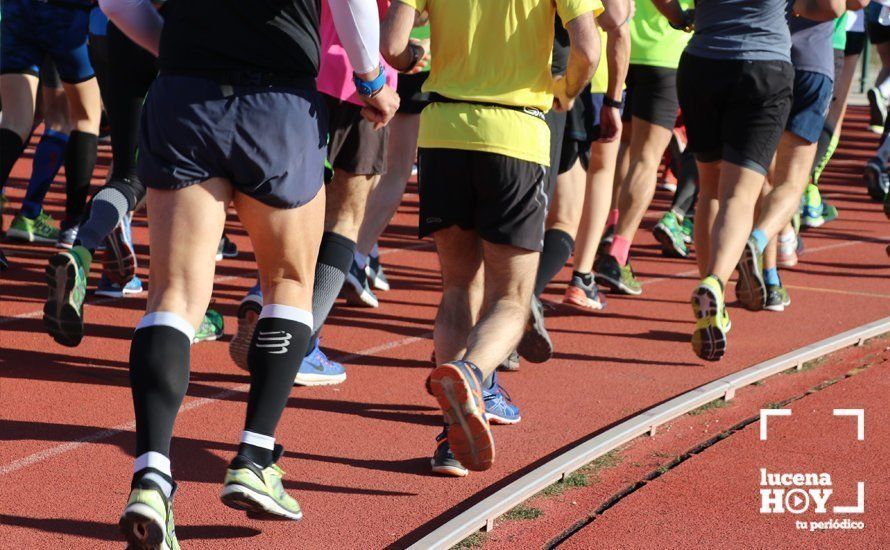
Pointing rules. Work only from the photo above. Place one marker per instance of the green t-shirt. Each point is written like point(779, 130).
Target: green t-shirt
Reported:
point(653, 41)
point(839, 38)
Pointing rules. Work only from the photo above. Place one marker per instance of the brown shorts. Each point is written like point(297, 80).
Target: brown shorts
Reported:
point(355, 146)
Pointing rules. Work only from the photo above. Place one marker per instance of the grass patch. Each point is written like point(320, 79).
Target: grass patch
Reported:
point(476, 540)
point(582, 476)
point(523, 512)
point(716, 404)
point(662, 454)
point(772, 406)
point(759, 383)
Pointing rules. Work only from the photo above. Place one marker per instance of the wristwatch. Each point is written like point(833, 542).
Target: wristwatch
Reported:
point(609, 102)
point(369, 88)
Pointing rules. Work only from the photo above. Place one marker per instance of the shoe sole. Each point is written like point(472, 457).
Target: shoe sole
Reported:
point(356, 297)
point(60, 317)
point(450, 471)
point(119, 258)
point(142, 528)
point(18, 235)
point(615, 286)
point(469, 434)
point(536, 345)
point(812, 223)
point(663, 236)
point(313, 380)
point(257, 505)
point(709, 343)
point(750, 288)
point(248, 314)
point(584, 305)
point(778, 307)
point(500, 420)
point(380, 284)
point(118, 293)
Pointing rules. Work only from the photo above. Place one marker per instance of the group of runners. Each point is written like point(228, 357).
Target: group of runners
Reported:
point(540, 130)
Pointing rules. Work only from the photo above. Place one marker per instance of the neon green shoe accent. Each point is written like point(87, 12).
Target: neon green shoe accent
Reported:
point(669, 234)
point(629, 280)
point(147, 521)
point(40, 230)
point(211, 327)
point(243, 490)
point(687, 227)
point(712, 322)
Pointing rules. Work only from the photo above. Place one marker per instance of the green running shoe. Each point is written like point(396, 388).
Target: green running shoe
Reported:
point(777, 298)
point(66, 276)
point(211, 327)
point(258, 491)
point(669, 233)
point(751, 288)
point(618, 278)
point(687, 227)
point(711, 320)
point(816, 212)
point(147, 521)
point(42, 229)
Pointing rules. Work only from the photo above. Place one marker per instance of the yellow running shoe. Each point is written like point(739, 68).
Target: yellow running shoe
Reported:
point(711, 320)
point(147, 521)
point(258, 491)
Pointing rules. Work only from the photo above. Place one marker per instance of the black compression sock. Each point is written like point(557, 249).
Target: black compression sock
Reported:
point(335, 256)
point(80, 159)
point(278, 347)
point(586, 278)
point(159, 377)
point(11, 147)
point(558, 246)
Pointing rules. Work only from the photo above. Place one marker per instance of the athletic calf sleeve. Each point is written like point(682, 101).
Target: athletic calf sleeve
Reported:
point(558, 247)
point(159, 377)
point(11, 147)
point(335, 256)
point(107, 209)
point(276, 351)
point(47, 161)
point(80, 159)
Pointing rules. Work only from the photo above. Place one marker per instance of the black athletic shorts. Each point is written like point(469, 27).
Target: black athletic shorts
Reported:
point(877, 33)
point(735, 110)
point(503, 198)
point(194, 129)
point(557, 124)
point(412, 99)
point(652, 95)
point(576, 139)
point(355, 146)
point(855, 43)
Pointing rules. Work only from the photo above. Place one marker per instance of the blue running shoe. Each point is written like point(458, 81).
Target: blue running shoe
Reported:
point(113, 290)
point(443, 461)
point(499, 408)
point(317, 370)
point(248, 314)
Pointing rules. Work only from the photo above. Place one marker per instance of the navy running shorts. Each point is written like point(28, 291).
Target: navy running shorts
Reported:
point(812, 98)
point(30, 31)
point(502, 198)
point(269, 141)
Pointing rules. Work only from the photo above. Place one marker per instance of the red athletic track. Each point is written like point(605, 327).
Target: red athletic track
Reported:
point(357, 455)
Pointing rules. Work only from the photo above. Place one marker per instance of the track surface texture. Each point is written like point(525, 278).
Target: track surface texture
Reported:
point(357, 455)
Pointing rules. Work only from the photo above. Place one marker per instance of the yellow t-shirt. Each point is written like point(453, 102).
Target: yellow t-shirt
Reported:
point(600, 81)
point(494, 51)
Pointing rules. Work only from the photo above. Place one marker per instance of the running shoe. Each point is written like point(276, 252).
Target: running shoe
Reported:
point(669, 233)
point(816, 212)
point(457, 387)
point(618, 278)
point(583, 295)
point(786, 255)
point(877, 181)
point(147, 521)
point(119, 256)
point(257, 490)
point(226, 249)
point(443, 461)
point(41, 229)
point(668, 181)
point(750, 287)
point(535, 345)
point(511, 363)
point(877, 109)
point(110, 289)
point(67, 236)
point(357, 290)
point(688, 227)
point(499, 407)
point(317, 370)
point(66, 276)
point(376, 274)
point(777, 298)
point(711, 320)
point(248, 313)
point(211, 327)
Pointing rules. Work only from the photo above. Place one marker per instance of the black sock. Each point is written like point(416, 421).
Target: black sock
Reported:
point(11, 147)
point(159, 378)
point(558, 246)
point(586, 278)
point(278, 347)
point(335, 256)
point(80, 159)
